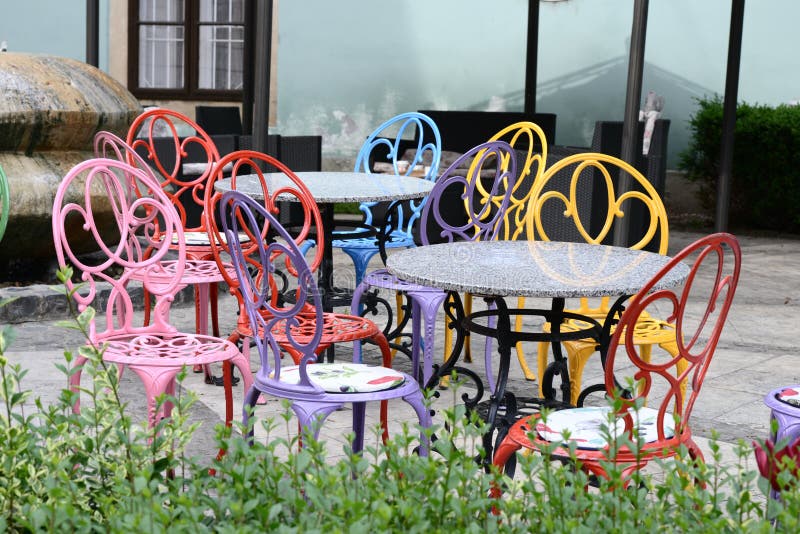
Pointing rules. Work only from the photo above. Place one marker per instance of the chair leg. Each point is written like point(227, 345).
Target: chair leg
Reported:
point(383, 345)
point(543, 351)
point(578, 353)
point(311, 415)
point(361, 258)
point(75, 382)
point(502, 454)
point(359, 416)
point(248, 406)
point(156, 380)
point(428, 303)
point(417, 401)
point(398, 303)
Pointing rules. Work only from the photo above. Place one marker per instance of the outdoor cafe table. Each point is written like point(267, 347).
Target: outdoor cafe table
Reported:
point(329, 188)
point(553, 270)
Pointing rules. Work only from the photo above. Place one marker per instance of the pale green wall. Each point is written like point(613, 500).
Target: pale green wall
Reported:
point(344, 66)
point(51, 27)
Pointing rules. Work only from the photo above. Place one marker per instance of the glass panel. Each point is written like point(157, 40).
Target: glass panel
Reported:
point(221, 57)
point(222, 11)
point(161, 10)
point(161, 57)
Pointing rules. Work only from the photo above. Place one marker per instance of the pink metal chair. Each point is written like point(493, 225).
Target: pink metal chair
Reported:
point(156, 134)
point(661, 423)
point(315, 389)
point(135, 248)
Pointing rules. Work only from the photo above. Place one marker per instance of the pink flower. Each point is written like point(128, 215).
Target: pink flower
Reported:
point(771, 462)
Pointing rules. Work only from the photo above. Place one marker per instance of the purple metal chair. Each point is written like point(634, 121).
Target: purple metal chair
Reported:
point(488, 168)
point(315, 389)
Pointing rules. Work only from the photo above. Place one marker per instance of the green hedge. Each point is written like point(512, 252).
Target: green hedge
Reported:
point(765, 188)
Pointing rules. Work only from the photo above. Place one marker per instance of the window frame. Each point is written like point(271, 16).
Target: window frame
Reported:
point(191, 58)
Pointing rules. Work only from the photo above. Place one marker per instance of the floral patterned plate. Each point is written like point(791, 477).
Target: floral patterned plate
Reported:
point(346, 377)
point(585, 426)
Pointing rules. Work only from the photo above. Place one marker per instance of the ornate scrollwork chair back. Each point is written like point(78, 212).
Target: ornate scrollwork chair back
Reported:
point(653, 406)
point(104, 181)
point(252, 164)
point(484, 220)
point(299, 327)
point(384, 145)
point(241, 218)
point(529, 139)
point(711, 283)
point(156, 134)
point(564, 206)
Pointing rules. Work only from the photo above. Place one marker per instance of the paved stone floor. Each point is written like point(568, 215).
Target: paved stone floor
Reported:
point(757, 352)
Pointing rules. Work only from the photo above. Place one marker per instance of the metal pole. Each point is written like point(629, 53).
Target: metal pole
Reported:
point(633, 99)
point(531, 57)
point(261, 74)
point(93, 32)
point(729, 115)
point(247, 67)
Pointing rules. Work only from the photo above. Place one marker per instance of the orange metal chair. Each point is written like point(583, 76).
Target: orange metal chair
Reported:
point(528, 138)
point(166, 139)
point(699, 310)
point(558, 210)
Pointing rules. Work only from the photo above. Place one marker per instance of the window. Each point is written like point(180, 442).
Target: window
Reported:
point(186, 49)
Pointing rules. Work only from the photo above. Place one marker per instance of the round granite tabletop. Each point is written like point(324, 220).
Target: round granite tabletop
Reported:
point(532, 268)
point(337, 187)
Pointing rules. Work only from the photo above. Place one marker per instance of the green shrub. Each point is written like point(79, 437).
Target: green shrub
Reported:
point(765, 182)
point(99, 471)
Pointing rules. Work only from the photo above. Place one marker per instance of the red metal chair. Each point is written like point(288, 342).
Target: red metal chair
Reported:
point(167, 140)
point(134, 249)
point(338, 328)
point(698, 310)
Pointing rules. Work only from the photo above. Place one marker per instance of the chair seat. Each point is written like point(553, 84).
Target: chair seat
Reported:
point(790, 396)
point(194, 272)
point(648, 329)
point(397, 240)
point(585, 426)
point(201, 238)
point(346, 377)
point(337, 328)
point(385, 280)
point(167, 349)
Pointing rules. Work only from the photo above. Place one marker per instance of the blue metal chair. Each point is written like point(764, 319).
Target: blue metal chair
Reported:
point(384, 145)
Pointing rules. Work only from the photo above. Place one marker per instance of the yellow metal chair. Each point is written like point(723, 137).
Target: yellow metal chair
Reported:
point(557, 211)
point(529, 139)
